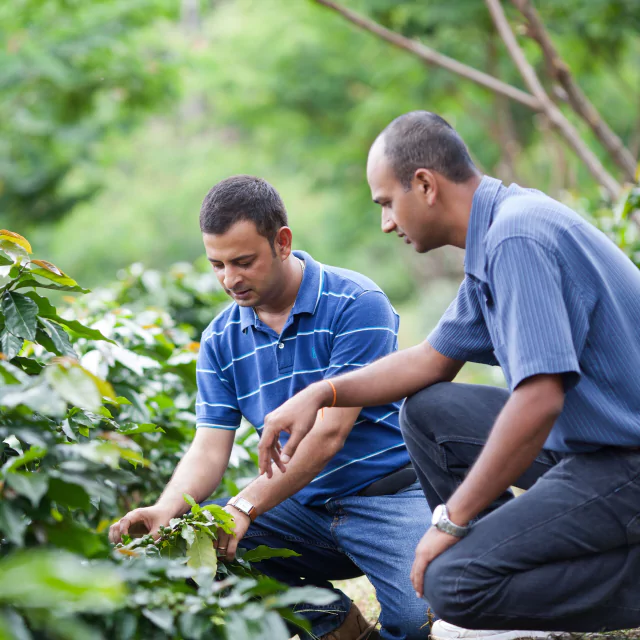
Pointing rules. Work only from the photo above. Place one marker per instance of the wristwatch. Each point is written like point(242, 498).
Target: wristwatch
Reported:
point(440, 520)
point(242, 504)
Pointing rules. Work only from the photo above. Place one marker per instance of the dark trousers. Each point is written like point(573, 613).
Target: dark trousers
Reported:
point(564, 556)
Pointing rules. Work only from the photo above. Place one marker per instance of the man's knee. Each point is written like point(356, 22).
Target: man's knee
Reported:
point(455, 594)
point(422, 411)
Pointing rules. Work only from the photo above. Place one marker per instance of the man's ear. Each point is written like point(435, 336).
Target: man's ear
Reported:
point(282, 243)
point(427, 184)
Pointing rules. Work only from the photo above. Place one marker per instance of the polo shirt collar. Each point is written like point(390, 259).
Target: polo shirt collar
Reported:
point(308, 294)
point(482, 207)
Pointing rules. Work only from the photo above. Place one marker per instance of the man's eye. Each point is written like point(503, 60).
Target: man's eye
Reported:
point(244, 264)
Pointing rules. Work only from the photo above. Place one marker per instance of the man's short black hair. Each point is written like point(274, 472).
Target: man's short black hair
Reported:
point(243, 198)
point(424, 140)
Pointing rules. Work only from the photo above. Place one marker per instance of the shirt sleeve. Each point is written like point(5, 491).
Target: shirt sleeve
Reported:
point(366, 331)
point(532, 315)
point(216, 401)
point(462, 332)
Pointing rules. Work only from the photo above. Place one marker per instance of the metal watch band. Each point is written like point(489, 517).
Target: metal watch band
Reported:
point(243, 505)
point(442, 522)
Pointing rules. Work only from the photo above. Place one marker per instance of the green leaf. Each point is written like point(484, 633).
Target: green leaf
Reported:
point(60, 582)
point(51, 272)
point(80, 330)
point(12, 524)
point(309, 595)
point(32, 282)
point(189, 500)
point(32, 486)
point(11, 345)
point(34, 453)
point(188, 534)
point(133, 429)
point(20, 315)
point(77, 385)
point(59, 337)
point(15, 626)
point(263, 552)
point(162, 618)
point(74, 537)
point(201, 553)
point(223, 518)
point(69, 494)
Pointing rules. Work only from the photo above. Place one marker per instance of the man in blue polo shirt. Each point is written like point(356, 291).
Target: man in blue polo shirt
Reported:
point(556, 304)
point(350, 504)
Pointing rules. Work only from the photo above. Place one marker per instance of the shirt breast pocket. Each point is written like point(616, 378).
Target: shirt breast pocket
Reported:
point(492, 322)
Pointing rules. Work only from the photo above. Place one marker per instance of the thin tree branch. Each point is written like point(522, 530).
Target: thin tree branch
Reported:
point(555, 116)
point(432, 57)
point(576, 98)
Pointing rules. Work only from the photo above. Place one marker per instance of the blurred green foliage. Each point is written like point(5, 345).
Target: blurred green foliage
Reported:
point(71, 75)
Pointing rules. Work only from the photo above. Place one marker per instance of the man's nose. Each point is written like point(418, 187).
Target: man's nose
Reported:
point(388, 225)
point(231, 278)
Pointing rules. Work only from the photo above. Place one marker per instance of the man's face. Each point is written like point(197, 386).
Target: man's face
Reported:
point(412, 214)
point(244, 264)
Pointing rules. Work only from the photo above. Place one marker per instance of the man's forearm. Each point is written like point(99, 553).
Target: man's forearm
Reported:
point(196, 475)
point(516, 439)
point(322, 443)
point(390, 379)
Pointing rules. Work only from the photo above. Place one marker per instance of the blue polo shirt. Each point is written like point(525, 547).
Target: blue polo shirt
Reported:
point(340, 321)
point(546, 292)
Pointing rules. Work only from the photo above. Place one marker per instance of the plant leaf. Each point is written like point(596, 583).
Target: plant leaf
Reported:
point(201, 553)
point(59, 337)
point(20, 315)
point(74, 383)
point(15, 238)
point(30, 485)
point(51, 272)
point(10, 344)
point(32, 282)
point(12, 524)
point(263, 552)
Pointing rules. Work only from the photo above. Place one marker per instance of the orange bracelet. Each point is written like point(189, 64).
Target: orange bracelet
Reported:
point(333, 404)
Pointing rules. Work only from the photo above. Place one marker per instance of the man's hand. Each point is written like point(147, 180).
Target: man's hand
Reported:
point(226, 544)
point(140, 522)
point(433, 543)
point(296, 416)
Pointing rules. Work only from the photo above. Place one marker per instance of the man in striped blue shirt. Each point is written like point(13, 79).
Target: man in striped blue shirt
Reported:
point(351, 495)
point(556, 304)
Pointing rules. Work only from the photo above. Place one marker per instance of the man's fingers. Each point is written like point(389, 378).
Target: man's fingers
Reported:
point(231, 549)
point(222, 544)
point(418, 570)
point(265, 447)
point(292, 444)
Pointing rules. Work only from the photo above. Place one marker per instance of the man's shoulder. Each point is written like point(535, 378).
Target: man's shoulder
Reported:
point(345, 282)
point(222, 324)
point(530, 214)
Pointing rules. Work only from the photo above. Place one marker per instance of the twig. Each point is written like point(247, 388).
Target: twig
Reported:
point(574, 95)
point(555, 116)
point(431, 57)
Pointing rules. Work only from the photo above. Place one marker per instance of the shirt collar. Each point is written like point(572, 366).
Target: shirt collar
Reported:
point(308, 294)
point(482, 208)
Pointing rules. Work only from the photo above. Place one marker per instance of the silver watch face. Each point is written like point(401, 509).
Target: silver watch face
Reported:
point(243, 505)
point(438, 512)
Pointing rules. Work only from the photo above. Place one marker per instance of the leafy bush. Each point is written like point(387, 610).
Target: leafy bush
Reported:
point(96, 407)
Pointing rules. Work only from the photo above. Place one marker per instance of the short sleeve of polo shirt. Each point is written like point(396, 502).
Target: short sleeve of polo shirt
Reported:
point(216, 403)
point(462, 333)
point(531, 312)
point(366, 331)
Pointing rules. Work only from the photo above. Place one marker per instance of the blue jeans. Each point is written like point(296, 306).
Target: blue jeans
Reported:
point(564, 556)
point(346, 538)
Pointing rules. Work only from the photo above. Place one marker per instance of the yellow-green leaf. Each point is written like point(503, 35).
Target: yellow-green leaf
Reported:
point(15, 238)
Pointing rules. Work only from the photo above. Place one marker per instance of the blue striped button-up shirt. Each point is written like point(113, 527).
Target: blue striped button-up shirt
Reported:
point(340, 322)
point(546, 292)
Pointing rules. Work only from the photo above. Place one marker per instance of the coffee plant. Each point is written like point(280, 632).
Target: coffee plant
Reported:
point(96, 408)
